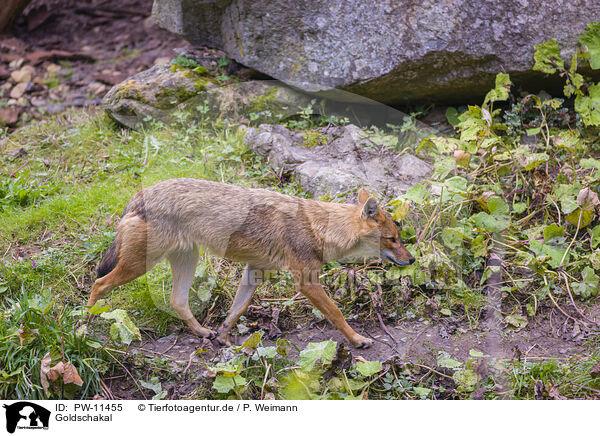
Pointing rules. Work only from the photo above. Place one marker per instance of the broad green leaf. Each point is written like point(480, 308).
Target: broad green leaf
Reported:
point(268, 352)
point(477, 353)
point(517, 321)
point(500, 91)
point(99, 307)
point(580, 217)
point(444, 360)
point(466, 379)
point(553, 231)
point(123, 328)
point(591, 39)
point(416, 194)
point(491, 223)
point(224, 384)
point(497, 206)
point(588, 286)
point(442, 166)
point(554, 253)
point(452, 237)
point(422, 392)
point(588, 106)
point(479, 246)
point(595, 234)
point(154, 385)
point(368, 368)
point(253, 340)
point(547, 57)
point(452, 116)
point(314, 351)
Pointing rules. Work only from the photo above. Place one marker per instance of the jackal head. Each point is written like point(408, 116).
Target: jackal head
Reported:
point(380, 234)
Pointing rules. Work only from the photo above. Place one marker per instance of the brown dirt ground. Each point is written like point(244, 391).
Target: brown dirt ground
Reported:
point(550, 335)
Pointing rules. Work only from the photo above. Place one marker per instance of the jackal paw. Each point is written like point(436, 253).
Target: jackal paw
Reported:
point(223, 340)
point(362, 342)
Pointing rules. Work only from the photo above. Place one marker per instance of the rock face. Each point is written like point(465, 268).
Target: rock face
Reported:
point(163, 91)
point(391, 51)
point(346, 161)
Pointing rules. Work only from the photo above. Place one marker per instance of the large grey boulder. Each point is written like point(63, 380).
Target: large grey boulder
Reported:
point(391, 51)
point(345, 160)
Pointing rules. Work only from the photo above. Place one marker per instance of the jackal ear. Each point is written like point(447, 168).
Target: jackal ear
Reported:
point(370, 208)
point(363, 196)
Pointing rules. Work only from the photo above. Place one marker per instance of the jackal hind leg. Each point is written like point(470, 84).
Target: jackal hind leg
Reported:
point(241, 301)
point(183, 266)
point(134, 260)
point(319, 298)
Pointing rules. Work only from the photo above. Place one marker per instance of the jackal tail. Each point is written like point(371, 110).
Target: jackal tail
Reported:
point(109, 260)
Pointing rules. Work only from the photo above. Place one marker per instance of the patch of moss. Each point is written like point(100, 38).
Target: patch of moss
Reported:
point(265, 101)
point(168, 97)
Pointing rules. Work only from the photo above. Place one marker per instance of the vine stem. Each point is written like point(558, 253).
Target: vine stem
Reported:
point(563, 275)
point(572, 240)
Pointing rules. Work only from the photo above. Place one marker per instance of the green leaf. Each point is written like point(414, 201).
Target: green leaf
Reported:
point(444, 360)
point(517, 321)
point(368, 368)
point(223, 384)
point(452, 116)
point(479, 246)
point(491, 223)
point(588, 287)
point(314, 351)
point(466, 379)
point(595, 233)
point(588, 106)
point(123, 328)
point(477, 353)
point(554, 254)
point(452, 237)
point(472, 126)
point(497, 206)
point(580, 217)
point(99, 307)
point(154, 385)
point(547, 57)
point(591, 39)
point(553, 231)
point(268, 352)
point(416, 194)
point(500, 91)
point(422, 392)
point(253, 340)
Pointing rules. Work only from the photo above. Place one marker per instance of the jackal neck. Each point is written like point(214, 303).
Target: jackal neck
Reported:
point(336, 227)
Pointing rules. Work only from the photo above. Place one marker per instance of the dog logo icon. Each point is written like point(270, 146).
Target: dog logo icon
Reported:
point(26, 415)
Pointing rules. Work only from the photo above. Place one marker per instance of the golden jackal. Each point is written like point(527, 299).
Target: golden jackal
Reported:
point(263, 229)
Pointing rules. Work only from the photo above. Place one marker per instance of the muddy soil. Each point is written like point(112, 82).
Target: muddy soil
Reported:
point(550, 335)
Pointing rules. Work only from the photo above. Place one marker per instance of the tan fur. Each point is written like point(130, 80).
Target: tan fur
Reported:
point(263, 229)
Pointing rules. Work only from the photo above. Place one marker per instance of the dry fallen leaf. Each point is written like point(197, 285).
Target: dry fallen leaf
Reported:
point(65, 371)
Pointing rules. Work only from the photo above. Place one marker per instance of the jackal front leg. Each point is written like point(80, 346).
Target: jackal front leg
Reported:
point(317, 296)
point(251, 278)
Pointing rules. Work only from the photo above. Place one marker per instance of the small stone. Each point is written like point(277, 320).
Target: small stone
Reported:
point(18, 90)
point(16, 64)
point(162, 61)
point(53, 68)
point(23, 75)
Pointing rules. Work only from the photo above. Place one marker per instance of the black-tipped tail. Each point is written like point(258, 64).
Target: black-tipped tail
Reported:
point(109, 260)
